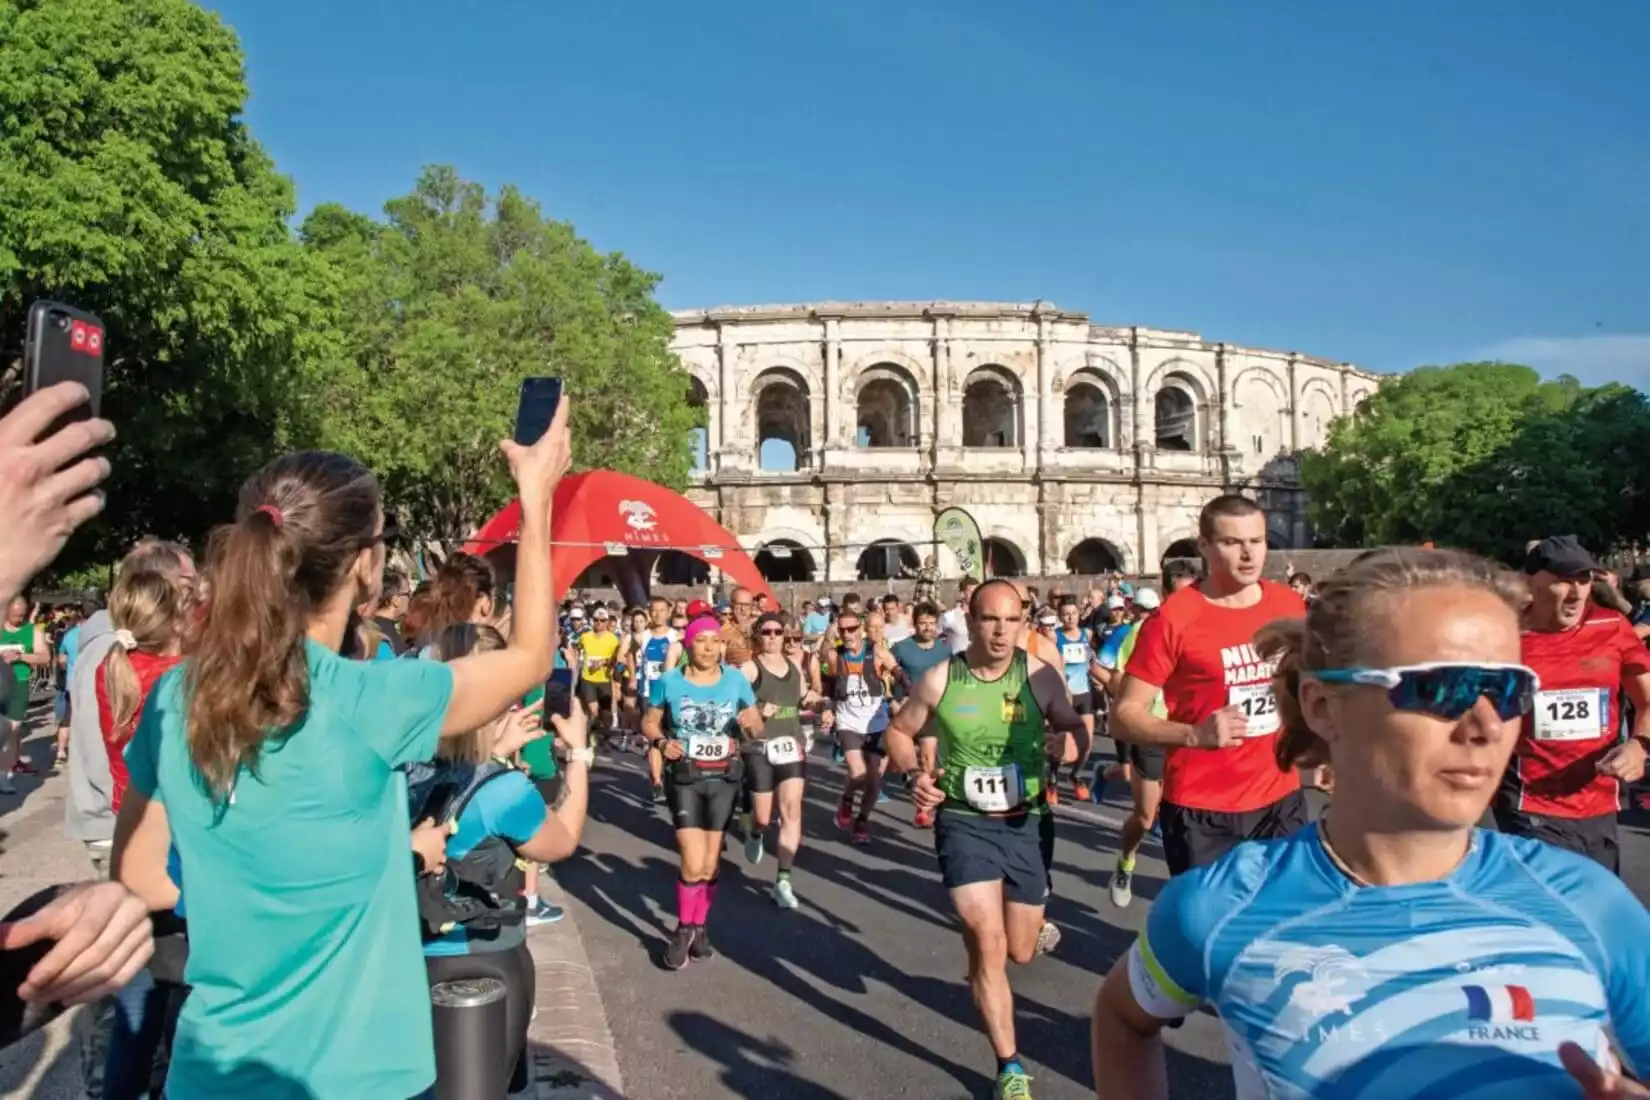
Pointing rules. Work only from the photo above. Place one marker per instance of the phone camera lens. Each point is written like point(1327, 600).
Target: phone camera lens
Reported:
point(60, 321)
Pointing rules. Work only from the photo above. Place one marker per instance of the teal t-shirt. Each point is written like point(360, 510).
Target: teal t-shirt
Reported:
point(307, 974)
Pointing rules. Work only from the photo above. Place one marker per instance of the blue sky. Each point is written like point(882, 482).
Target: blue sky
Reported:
point(1388, 183)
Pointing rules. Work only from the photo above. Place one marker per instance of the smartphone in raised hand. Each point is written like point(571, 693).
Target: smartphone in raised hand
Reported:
point(536, 408)
point(64, 344)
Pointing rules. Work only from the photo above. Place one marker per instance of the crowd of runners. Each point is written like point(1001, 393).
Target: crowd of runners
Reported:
point(361, 773)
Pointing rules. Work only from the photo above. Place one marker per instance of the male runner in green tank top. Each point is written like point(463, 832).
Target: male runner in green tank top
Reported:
point(1000, 714)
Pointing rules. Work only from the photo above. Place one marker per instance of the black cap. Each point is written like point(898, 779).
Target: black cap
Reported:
point(1562, 556)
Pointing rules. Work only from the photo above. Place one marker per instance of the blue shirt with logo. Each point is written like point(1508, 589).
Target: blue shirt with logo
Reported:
point(703, 709)
point(507, 806)
point(1074, 655)
point(1458, 989)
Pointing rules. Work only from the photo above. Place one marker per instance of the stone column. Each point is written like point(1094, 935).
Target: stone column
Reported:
point(730, 441)
point(1039, 446)
point(839, 559)
point(947, 440)
point(1294, 410)
point(1145, 430)
point(832, 396)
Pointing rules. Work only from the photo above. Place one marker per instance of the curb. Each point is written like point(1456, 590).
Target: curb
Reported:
point(574, 1057)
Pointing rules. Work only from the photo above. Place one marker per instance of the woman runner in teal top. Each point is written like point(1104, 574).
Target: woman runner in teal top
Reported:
point(270, 761)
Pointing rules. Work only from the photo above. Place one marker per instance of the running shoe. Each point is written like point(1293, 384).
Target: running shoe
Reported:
point(1122, 886)
point(884, 796)
point(680, 947)
point(754, 849)
point(1081, 792)
point(540, 912)
point(844, 814)
point(23, 767)
point(783, 895)
point(658, 794)
point(6, 785)
point(701, 948)
point(837, 755)
point(923, 820)
point(862, 833)
point(1048, 937)
point(1013, 1084)
point(1053, 795)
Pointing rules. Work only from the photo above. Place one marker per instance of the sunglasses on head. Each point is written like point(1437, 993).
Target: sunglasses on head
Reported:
point(1445, 690)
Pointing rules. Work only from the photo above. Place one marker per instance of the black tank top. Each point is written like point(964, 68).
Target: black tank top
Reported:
point(784, 692)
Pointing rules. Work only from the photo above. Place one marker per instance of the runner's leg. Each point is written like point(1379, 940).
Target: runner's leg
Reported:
point(983, 913)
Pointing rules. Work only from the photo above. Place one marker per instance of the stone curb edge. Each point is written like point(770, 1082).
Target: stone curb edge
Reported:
point(574, 1054)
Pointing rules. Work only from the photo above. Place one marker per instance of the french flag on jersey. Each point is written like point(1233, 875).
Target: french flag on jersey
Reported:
point(1499, 1004)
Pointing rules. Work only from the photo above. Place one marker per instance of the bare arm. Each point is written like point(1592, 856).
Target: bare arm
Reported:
point(558, 835)
point(1126, 1043)
point(143, 839)
point(1132, 718)
point(900, 740)
point(41, 655)
point(1048, 685)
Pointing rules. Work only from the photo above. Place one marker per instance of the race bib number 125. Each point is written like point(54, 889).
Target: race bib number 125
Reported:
point(1259, 707)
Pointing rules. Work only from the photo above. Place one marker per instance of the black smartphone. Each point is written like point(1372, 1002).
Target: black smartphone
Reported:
point(558, 699)
point(64, 344)
point(536, 408)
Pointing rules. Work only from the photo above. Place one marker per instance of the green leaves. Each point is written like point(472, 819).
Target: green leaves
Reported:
point(1484, 456)
point(453, 299)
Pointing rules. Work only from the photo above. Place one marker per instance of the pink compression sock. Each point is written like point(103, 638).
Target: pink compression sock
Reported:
point(688, 896)
point(709, 900)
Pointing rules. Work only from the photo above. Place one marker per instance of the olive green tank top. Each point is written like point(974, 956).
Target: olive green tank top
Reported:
point(784, 692)
point(992, 741)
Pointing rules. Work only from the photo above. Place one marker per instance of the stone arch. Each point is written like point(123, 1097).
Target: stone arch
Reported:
point(698, 399)
point(1260, 404)
point(1094, 556)
point(1178, 411)
point(780, 409)
point(1196, 378)
point(1318, 410)
point(783, 561)
point(1358, 397)
point(885, 559)
point(1002, 557)
point(1091, 410)
point(887, 407)
point(881, 357)
point(991, 407)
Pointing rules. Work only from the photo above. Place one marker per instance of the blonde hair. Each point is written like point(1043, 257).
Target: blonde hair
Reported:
point(1332, 633)
point(151, 605)
point(460, 640)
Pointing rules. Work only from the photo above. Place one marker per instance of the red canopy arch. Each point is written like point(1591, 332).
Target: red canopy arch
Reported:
point(602, 508)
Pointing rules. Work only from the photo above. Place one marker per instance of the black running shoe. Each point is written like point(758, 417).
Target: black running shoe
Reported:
point(658, 794)
point(677, 950)
point(701, 944)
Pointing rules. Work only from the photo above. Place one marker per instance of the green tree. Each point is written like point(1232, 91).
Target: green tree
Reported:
point(448, 303)
point(130, 186)
point(1483, 456)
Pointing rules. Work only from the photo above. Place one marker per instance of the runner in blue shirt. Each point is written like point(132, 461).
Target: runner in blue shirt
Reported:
point(1393, 951)
point(1077, 658)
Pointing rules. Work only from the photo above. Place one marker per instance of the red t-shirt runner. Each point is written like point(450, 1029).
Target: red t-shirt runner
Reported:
point(1203, 657)
point(1576, 718)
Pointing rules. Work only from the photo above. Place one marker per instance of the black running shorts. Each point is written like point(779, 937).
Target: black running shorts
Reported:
point(1196, 838)
point(762, 776)
point(705, 802)
point(1016, 851)
point(1594, 837)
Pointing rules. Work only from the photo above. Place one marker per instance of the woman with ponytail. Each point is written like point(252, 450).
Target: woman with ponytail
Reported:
point(271, 761)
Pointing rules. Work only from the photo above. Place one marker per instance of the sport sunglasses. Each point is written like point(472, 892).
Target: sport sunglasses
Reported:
point(1447, 690)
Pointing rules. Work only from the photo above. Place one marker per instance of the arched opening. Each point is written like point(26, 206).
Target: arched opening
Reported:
point(1182, 548)
point(784, 560)
point(1003, 558)
point(781, 399)
point(886, 408)
point(991, 409)
point(1176, 409)
point(675, 567)
point(598, 574)
point(1088, 416)
point(886, 559)
point(1092, 557)
point(699, 401)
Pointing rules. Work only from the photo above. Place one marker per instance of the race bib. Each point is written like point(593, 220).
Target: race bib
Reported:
point(784, 750)
point(652, 670)
point(594, 663)
point(1258, 705)
point(1576, 714)
point(709, 748)
point(1075, 653)
point(994, 790)
point(856, 689)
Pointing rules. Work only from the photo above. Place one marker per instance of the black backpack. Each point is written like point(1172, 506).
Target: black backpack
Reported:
point(484, 891)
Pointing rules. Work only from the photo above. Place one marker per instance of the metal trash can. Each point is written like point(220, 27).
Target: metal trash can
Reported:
point(471, 1019)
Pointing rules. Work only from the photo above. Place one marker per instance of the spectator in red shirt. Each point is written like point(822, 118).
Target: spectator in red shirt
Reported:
point(152, 611)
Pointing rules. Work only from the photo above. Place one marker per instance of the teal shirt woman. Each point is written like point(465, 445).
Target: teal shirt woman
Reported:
point(271, 761)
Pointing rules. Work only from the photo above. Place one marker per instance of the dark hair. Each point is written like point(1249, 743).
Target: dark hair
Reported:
point(1301, 578)
point(420, 610)
point(88, 608)
point(1175, 568)
point(1337, 626)
point(299, 524)
point(1225, 506)
point(395, 584)
point(459, 583)
point(852, 597)
point(1067, 601)
point(925, 609)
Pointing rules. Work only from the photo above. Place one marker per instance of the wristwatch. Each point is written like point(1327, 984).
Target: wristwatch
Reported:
point(585, 756)
point(911, 776)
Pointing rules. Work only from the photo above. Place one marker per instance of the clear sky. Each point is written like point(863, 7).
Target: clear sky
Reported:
point(1390, 182)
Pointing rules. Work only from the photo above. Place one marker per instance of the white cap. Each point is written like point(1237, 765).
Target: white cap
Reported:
point(1048, 618)
point(1148, 598)
point(823, 601)
point(1116, 603)
point(576, 613)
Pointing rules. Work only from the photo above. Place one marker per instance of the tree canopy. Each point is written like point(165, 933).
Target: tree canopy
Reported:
point(1484, 456)
point(447, 304)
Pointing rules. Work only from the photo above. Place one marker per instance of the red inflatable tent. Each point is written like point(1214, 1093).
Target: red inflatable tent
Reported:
point(600, 509)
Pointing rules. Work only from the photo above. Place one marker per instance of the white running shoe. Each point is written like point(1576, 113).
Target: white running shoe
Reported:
point(754, 848)
point(783, 895)
point(1048, 937)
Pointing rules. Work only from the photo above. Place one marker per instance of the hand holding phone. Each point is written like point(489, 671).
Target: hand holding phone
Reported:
point(542, 448)
point(64, 344)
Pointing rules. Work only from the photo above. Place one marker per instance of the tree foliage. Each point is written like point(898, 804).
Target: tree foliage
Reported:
point(1484, 456)
point(448, 303)
point(129, 186)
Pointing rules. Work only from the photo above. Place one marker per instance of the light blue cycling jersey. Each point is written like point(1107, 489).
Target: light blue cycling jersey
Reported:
point(1460, 989)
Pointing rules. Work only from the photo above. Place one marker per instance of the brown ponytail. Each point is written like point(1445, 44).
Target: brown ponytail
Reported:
point(152, 606)
point(462, 580)
point(300, 524)
point(1295, 746)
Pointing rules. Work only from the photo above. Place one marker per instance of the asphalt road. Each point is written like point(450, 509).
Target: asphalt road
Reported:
point(860, 992)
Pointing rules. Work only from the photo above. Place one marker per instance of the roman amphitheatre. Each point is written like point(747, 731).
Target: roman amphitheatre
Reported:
point(836, 431)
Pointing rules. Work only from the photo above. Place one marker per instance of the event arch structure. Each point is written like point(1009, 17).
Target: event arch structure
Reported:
point(628, 523)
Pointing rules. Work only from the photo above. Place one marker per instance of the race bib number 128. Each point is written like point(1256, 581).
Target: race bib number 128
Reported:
point(1259, 707)
point(1576, 714)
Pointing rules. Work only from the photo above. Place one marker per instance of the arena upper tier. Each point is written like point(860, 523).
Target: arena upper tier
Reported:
point(838, 430)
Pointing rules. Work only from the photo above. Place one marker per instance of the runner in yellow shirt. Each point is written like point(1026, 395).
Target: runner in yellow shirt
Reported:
point(598, 653)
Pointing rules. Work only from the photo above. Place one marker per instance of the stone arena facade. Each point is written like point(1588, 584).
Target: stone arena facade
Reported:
point(837, 431)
